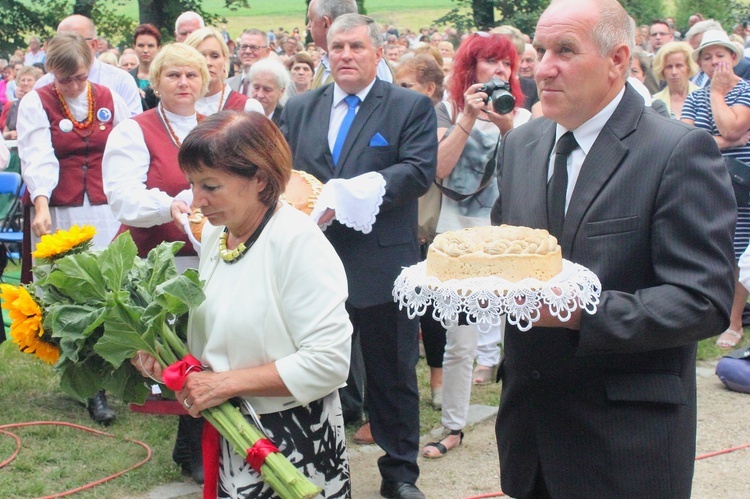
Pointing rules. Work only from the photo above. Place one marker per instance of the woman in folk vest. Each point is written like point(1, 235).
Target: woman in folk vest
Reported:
point(62, 130)
point(142, 179)
point(209, 42)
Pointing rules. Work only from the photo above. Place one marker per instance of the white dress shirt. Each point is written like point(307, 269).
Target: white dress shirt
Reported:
point(210, 105)
point(340, 108)
point(125, 169)
point(585, 135)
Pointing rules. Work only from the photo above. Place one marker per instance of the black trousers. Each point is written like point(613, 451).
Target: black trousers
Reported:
point(390, 351)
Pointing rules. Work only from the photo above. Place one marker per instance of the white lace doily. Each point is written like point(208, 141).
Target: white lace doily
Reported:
point(485, 300)
point(356, 201)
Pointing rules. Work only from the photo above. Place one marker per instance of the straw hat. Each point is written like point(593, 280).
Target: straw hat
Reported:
point(719, 37)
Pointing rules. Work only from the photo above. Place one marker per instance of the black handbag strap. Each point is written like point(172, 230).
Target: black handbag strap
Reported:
point(489, 170)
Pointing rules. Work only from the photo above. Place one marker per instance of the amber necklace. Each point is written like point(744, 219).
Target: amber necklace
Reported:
point(221, 99)
point(78, 125)
point(172, 134)
point(234, 256)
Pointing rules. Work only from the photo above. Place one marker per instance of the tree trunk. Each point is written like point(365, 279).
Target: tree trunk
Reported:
point(154, 12)
point(84, 7)
point(484, 14)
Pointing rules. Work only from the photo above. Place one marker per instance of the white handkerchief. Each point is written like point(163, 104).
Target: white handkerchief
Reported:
point(356, 201)
point(186, 225)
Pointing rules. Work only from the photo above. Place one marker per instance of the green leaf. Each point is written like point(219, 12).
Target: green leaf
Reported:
point(73, 321)
point(181, 293)
point(123, 332)
point(84, 378)
point(160, 261)
point(117, 260)
point(80, 278)
point(127, 384)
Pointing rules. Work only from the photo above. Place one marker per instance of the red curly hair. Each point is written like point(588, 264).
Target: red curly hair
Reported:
point(477, 47)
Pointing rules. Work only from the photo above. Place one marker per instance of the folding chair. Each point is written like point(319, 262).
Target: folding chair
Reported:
point(11, 233)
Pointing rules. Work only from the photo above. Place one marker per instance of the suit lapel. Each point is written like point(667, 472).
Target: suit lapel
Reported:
point(366, 109)
point(604, 158)
point(322, 117)
point(535, 177)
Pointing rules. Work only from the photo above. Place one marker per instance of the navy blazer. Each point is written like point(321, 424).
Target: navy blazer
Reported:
point(406, 120)
point(652, 214)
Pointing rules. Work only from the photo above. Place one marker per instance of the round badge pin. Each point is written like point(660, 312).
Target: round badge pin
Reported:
point(104, 115)
point(66, 125)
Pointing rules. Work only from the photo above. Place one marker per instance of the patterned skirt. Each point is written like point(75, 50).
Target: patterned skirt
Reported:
point(312, 438)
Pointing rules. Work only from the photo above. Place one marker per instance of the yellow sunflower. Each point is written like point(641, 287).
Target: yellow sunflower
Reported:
point(26, 326)
point(63, 241)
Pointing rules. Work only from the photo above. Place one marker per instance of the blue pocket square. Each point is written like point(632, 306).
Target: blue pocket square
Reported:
point(378, 140)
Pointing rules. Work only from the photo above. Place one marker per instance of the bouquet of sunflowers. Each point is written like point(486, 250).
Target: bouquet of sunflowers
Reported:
point(89, 312)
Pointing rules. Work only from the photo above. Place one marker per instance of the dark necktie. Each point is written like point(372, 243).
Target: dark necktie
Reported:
point(245, 85)
point(352, 101)
point(558, 184)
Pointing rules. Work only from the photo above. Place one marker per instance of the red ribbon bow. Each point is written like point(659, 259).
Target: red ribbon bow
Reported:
point(256, 455)
point(174, 375)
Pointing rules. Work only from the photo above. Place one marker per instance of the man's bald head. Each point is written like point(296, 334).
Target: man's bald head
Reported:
point(81, 25)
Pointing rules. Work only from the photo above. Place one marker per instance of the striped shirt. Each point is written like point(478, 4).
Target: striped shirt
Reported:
point(697, 107)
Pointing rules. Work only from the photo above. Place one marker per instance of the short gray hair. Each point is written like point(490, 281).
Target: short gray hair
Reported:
point(348, 22)
point(335, 8)
point(701, 27)
point(275, 68)
point(256, 32)
point(188, 16)
point(614, 27)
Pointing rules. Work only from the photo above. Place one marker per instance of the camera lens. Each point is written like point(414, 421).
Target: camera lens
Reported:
point(503, 102)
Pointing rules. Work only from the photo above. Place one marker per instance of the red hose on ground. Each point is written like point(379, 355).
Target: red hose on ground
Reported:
point(3, 430)
point(697, 458)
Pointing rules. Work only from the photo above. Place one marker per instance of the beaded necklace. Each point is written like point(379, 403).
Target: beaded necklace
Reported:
point(78, 125)
point(221, 99)
point(172, 134)
point(235, 255)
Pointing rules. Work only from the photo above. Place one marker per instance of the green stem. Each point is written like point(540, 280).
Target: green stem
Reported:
point(178, 347)
point(277, 471)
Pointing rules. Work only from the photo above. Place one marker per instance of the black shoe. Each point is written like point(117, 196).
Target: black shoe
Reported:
point(100, 410)
point(400, 490)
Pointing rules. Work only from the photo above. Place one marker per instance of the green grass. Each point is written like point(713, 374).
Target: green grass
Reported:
point(270, 14)
point(54, 459)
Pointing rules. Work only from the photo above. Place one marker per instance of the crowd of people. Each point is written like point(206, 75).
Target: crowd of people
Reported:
point(136, 139)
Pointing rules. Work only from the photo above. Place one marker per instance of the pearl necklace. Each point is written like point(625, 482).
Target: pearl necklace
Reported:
point(78, 125)
point(235, 255)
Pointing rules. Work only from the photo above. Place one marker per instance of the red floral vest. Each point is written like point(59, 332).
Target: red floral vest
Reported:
point(235, 101)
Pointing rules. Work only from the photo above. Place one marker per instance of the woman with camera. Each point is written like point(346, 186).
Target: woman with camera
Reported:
point(485, 104)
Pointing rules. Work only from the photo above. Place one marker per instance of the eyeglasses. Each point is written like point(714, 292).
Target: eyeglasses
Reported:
point(70, 79)
point(661, 33)
point(252, 48)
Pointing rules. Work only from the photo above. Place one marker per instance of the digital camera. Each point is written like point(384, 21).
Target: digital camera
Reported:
point(498, 91)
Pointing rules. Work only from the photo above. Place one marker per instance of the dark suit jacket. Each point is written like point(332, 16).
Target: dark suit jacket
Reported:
point(609, 411)
point(407, 121)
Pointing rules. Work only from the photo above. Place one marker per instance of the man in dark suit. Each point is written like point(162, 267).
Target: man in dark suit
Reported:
point(391, 152)
point(603, 405)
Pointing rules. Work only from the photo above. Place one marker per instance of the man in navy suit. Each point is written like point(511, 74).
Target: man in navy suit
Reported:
point(604, 405)
point(390, 152)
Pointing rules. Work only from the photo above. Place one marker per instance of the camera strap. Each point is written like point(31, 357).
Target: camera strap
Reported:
point(489, 170)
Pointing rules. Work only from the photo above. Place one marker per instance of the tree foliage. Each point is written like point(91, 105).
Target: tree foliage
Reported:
point(711, 9)
point(644, 11)
point(486, 14)
point(40, 17)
